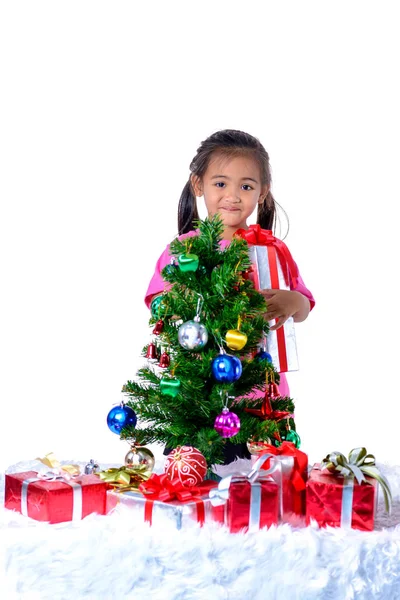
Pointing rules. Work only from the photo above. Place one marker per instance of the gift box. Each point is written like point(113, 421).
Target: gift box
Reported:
point(246, 502)
point(288, 467)
point(274, 268)
point(54, 498)
point(344, 491)
point(167, 501)
point(341, 501)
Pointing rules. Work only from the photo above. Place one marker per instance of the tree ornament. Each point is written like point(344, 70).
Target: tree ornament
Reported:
point(235, 339)
point(226, 368)
point(151, 353)
point(292, 436)
point(158, 327)
point(273, 391)
point(227, 423)
point(187, 464)
point(159, 307)
point(164, 361)
point(258, 447)
point(91, 467)
point(170, 386)
point(188, 262)
point(171, 268)
point(263, 355)
point(247, 274)
point(121, 416)
point(140, 456)
point(266, 412)
point(193, 335)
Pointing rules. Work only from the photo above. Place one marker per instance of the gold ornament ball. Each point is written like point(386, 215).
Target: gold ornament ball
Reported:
point(140, 456)
point(257, 447)
point(235, 339)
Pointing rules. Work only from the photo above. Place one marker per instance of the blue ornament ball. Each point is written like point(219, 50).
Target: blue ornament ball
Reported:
point(119, 417)
point(263, 355)
point(226, 368)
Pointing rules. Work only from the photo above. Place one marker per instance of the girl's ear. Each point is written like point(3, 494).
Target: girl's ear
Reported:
point(264, 194)
point(196, 185)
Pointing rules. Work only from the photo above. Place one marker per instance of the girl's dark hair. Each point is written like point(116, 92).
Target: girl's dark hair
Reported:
point(229, 143)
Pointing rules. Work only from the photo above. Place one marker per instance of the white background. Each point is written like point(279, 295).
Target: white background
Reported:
point(103, 108)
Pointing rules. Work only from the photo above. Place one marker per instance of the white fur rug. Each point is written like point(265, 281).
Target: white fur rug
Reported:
point(117, 556)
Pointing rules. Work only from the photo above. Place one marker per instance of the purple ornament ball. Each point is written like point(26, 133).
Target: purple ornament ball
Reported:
point(227, 424)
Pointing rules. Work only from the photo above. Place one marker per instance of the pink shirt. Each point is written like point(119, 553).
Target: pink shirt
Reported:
point(158, 285)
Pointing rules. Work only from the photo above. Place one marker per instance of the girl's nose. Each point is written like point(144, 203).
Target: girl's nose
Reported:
point(232, 195)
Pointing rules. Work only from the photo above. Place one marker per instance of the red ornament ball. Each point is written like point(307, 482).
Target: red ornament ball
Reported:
point(187, 464)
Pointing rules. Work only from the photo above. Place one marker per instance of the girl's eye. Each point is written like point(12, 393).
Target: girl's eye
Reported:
point(246, 186)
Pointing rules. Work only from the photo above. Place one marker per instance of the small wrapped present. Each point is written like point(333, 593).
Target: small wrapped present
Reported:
point(344, 492)
point(274, 268)
point(161, 497)
point(246, 502)
point(290, 474)
point(56, 495)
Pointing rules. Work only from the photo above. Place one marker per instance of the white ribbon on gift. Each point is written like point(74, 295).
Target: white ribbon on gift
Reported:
point(55, 475)
point(347, 502)
point(220, 495)
point(347, 498)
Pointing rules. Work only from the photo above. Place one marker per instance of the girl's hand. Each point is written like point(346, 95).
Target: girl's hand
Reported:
point(283, 304)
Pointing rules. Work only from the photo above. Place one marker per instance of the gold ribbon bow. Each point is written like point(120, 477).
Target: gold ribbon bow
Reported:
point(358, 464)
point(125, 478)
point(57, 468)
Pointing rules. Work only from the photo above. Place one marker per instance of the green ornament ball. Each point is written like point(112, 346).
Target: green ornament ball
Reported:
point(158, 307)
point(170, 386)
point(293, 436)
point(188, 262)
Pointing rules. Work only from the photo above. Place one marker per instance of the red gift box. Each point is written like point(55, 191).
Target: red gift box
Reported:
point(55, 499)
point(341, 501)
point(274, 268)
point(288, 467)
point(235, 513)
point(246, 502)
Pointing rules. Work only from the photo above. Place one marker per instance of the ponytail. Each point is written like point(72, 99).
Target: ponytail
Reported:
point(187, 210)
point(266, 214)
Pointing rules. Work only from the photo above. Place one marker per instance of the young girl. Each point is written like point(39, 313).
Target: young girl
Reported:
point(231, 170)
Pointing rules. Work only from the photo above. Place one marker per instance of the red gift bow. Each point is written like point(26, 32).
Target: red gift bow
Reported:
point(299, 463)
point(164, 489)
point(257, 236)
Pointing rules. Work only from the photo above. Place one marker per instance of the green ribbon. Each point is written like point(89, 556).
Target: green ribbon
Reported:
point(359, 464)
point(125, 478)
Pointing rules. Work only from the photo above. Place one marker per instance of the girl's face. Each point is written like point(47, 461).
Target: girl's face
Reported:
point(232, 188)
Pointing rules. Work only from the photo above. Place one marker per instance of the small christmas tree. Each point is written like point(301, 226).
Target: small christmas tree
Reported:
point(209, 326)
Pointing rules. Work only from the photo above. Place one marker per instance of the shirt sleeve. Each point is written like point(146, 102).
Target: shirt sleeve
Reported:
point(301, 287)
point(157, 284)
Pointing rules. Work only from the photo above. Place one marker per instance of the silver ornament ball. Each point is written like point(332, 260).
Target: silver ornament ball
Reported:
point(192, 335)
